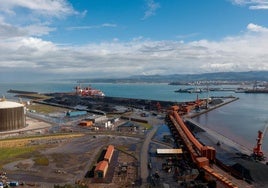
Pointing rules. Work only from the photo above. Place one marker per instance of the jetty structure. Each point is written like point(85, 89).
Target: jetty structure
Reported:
point(201, 155)
point(224, 161)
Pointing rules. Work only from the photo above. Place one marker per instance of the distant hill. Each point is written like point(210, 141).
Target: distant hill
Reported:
point(217, 76)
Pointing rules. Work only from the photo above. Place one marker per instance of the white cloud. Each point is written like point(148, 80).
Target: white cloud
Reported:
point(38, 29)
point(55, 8)
point(151, 9)
point(32, 18)
point(256, 28)
point(108, 25)
point(253, 4)
point(20, 18)
point(138, 56)
point(10, 31)
point(92, 26)
point(258, 7)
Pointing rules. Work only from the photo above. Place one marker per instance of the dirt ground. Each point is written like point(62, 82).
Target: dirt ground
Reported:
point(69, 160)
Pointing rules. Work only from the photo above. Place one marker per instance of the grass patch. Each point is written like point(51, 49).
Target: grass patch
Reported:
point(14, 149)
point(11, 154)
point(10, 142)
point(41, 161)
point(45, 109)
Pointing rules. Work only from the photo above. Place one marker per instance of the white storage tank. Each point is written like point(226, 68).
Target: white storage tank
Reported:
point(12, 115)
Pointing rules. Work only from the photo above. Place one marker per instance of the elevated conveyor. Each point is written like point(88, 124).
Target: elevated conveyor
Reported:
point(200, 154)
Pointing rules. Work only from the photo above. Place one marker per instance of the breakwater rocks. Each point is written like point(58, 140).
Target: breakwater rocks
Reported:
point(21, 92)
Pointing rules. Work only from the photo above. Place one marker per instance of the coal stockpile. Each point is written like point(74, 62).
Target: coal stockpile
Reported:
point(106, 104)
point(136, 103)
point(252, 171)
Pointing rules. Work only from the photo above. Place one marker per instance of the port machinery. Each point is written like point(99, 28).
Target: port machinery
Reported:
point(88, 91)
point(257, 151)
point(201, 155)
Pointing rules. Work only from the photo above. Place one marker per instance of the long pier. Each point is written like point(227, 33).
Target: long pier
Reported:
point(200, 154)
point(225, 176)
point(232, 99)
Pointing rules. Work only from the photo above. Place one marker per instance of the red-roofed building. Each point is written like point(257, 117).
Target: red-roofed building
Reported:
point(109, 153)
point(101, 169)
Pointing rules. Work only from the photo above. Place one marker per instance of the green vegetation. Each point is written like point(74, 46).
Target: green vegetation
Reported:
point(42, 161)
point(14, 149)
point(11, 154)
point(16, 141)
point(45, 109)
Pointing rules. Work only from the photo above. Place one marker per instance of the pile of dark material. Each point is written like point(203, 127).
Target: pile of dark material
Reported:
point(216, 102)
point(106, 104)
point(253, 172)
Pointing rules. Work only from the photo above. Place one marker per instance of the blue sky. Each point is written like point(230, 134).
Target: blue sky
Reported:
point(44, 39)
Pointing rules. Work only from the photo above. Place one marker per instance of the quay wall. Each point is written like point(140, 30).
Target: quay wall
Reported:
point(211, 108)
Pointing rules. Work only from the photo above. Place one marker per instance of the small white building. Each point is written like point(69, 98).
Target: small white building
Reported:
point(97, 118)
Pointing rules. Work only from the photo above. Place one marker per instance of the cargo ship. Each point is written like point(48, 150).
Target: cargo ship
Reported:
point(256, 90)
point(189, 90)
point(239, 90)
point(88, 91)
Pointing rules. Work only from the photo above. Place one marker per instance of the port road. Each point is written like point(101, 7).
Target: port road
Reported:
point(144, 155)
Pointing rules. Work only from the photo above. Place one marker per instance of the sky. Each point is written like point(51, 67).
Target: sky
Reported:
point(66, 39)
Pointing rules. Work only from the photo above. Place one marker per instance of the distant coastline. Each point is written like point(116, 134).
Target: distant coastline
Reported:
point(221, 78)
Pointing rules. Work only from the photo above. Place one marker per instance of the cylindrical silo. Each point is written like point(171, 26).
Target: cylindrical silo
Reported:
point(12, 116)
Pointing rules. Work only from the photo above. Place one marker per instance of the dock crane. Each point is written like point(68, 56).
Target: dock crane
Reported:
point(257, 151)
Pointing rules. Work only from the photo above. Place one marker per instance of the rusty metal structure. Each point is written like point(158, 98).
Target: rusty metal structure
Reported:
point(12, 115)
point(201, 155)
point(257, 150)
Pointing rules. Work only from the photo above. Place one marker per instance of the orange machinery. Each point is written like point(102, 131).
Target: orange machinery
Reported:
point(257, 151)
point(200, 154)
point(204, 151)
point(189, 106)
